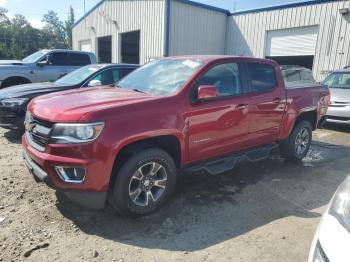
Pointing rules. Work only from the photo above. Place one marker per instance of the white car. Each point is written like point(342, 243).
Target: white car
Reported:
point(332, 238)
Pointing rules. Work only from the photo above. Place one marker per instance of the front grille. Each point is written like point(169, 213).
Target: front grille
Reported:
point(39, 133)
point(42, 122)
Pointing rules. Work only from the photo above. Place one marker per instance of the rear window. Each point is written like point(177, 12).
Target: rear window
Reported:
point(291, 76)
point(262, 77)
point(306, 76)
point(69, 59)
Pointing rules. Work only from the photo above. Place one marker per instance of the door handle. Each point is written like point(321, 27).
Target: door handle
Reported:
point(241, 107)
point(277, 100)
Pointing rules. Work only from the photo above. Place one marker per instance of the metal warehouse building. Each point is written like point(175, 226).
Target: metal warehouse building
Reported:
point(314, 34)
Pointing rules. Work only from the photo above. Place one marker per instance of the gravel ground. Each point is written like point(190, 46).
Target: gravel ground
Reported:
point(266, 211)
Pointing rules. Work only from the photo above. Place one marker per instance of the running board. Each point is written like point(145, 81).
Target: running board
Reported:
point(218, 166)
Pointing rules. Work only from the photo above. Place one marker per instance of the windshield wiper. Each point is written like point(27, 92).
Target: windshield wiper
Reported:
point(139, 91)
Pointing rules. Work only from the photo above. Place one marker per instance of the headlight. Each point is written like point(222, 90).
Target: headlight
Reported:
point(14, 101)
point(340, 205)
point(75, 133)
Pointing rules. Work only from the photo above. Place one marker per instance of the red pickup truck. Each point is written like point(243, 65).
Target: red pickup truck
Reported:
point(127, 144)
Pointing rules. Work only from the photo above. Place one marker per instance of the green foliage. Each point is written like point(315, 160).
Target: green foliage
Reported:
point(68, 26)
point(19, 39)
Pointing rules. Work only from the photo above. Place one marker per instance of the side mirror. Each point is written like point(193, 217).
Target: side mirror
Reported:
point(42, 63)
point(207, 92)
point(93, 83)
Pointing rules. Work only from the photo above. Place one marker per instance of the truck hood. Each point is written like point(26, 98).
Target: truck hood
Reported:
point(11, 62)
point(340, 95)
point(71, 106)
point(30, 90)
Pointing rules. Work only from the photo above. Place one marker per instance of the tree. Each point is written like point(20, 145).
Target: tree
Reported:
point(19, 39)
point(4, 20)
point(55, 27)
point(69, 26)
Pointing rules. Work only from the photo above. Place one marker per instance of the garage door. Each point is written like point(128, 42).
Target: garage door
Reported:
point(85, 46)
point(299, 41)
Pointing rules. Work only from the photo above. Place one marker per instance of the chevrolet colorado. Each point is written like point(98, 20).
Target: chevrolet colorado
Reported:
point(128, 143)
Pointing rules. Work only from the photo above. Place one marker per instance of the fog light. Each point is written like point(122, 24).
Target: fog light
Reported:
point(74, 175)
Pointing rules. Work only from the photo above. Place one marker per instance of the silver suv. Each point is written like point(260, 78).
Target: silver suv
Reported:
point(339, 108)
point(42, 66)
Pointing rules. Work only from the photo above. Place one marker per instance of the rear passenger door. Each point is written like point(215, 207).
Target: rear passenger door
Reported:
point(266, 103)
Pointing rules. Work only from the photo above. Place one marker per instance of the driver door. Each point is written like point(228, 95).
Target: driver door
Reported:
point(219, 126)
point(57, 65)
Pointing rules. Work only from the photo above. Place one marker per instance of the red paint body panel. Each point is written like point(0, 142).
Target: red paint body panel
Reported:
point(204, 130)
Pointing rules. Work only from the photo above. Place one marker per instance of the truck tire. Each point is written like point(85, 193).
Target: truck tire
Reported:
point(145, 182)
point(296, 147)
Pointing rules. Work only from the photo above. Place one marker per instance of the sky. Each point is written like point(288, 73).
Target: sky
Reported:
point(33, 10)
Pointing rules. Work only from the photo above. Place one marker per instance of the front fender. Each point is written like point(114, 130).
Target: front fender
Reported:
point(152, 134)
point(8, 72)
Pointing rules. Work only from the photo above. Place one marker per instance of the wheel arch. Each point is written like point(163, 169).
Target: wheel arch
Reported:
point(21, 78)
point(170, 143)
point(292, 118)
point(310, 116)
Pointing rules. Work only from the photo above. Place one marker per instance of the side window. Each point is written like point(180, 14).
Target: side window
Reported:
point(106, 77)
point(59, 59)
point(262, 77)
point(127, 71)
point(225, 77)
point(116, 74)
point(79, 59)
point(306, 76)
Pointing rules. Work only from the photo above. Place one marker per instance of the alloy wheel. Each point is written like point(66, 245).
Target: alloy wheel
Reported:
point(148, 184)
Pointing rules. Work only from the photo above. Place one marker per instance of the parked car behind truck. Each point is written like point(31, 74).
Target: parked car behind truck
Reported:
point(339, 108)
point(42, 66)
point(15, 99)
point(193, 113)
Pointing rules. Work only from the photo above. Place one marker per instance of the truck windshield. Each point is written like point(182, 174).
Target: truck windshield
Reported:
point(78, 75)
point(338, 80)
point(161, 77)
point(34, 57)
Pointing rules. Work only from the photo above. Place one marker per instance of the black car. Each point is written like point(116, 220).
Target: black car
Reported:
point(14, 100)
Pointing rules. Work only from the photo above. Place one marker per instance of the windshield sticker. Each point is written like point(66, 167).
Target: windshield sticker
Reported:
point(191, 64)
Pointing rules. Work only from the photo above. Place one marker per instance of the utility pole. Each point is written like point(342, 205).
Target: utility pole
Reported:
point(85, 13)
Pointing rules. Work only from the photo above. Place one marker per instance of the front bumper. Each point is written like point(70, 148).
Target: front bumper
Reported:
point(338, 114)
point(91, 193)
point(93, 200)
point(333, 239)
point(12, 117)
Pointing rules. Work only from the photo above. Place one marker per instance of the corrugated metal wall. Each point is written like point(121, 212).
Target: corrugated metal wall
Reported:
point(113, 17)
point(246, 33)
point(196, 30)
